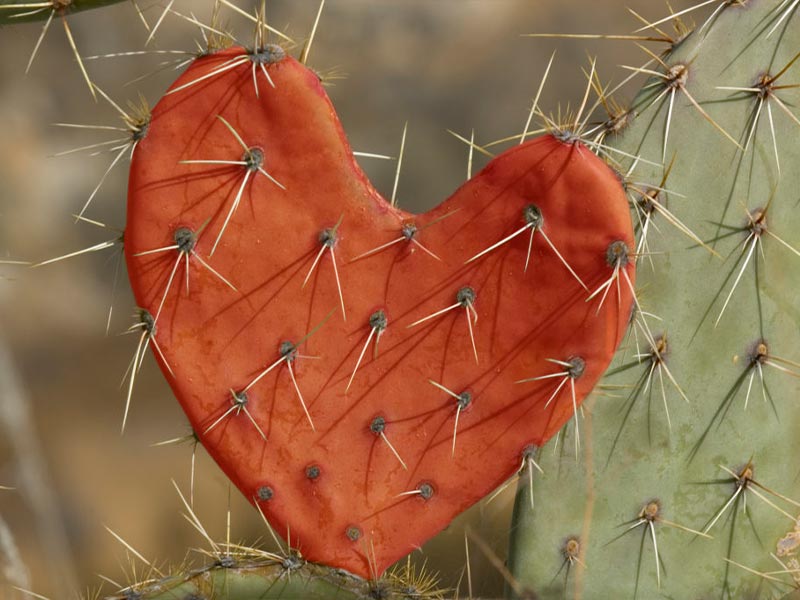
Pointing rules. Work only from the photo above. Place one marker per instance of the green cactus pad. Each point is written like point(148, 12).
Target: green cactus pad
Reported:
point(725, 461)
point(21, 11)
point(262, 575)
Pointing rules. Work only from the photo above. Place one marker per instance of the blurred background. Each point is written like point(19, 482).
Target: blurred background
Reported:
point(438, 64)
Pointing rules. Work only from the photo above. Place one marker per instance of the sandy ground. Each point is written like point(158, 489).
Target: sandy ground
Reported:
point(438, 64)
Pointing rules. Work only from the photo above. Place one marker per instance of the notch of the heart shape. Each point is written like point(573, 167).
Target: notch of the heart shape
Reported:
point(363, 374)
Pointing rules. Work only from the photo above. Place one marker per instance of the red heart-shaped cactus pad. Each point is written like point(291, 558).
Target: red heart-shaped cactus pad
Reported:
point(362, 373)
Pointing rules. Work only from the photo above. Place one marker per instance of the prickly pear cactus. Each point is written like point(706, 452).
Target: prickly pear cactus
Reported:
point(249, 573)
point(18, 11)
point(359, 372)
point(688, 482)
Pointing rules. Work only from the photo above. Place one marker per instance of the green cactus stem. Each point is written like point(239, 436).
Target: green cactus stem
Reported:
point(21, 11)
point(687, 485)
point(257, 574)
